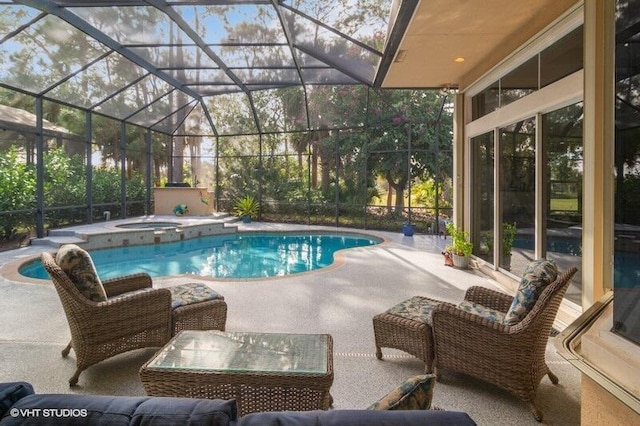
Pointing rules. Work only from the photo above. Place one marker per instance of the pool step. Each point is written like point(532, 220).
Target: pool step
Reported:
point(57, 241)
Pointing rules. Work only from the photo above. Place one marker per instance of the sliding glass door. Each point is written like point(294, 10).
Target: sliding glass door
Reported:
point(563, 168)
point(506, 199)
point(483, 195)
point(517, 203)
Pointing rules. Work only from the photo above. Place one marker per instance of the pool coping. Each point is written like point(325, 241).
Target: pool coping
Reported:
point(10, 270)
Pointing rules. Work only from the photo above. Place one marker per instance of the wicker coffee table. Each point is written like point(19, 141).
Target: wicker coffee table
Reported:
point(261, 371)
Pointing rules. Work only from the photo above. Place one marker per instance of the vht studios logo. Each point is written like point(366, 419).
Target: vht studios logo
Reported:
point(49, 412)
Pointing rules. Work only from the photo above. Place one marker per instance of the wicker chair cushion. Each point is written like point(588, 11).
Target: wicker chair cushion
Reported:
point(414, 394)
point(417, 308)
point(539, 274)
point(77, 264)
point(483, 311)
point(187, 294)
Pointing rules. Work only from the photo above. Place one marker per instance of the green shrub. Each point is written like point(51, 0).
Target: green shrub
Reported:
point(17, 191)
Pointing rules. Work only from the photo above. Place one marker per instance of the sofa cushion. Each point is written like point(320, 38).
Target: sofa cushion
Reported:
point(185, 411)
point(10, 393)
point(414, 394)
point(478, 309)
point(357, 418)
point(538, 275)
point(186, 294)
point(70, 409)
point(79, 267)
point(417, 308)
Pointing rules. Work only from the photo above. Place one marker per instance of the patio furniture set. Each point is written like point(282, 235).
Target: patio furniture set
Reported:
point(198, 359)
point(490, 335)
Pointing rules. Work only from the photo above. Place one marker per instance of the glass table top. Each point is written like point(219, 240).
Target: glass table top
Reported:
point(244, 352)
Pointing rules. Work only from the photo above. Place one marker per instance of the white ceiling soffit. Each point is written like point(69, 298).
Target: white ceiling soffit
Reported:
point(451, 43)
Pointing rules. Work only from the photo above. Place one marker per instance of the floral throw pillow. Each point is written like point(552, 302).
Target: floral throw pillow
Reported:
point(79, 267)
point(538, 275)
point(414, 394)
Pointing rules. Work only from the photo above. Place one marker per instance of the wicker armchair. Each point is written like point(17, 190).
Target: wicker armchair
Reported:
point(100, 330)
point(511, 357)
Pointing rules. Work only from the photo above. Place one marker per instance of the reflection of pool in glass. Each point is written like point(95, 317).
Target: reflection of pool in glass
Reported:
point(626, 270)
point(626, 264)
point(564, 245)
point(243, 255)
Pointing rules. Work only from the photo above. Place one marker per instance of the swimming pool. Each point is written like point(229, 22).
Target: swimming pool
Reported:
point(239, 256)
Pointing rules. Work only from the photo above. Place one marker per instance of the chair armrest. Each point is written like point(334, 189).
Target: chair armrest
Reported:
point(135, 311)
point(117, 286)
point(491, 299)
point(463, 341)
point(151, 296)
point(452, 317)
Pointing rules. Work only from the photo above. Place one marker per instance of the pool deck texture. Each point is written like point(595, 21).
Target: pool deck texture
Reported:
point(340, 300)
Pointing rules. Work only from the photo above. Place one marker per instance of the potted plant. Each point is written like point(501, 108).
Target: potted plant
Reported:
point(460, 247)
point(408, 228)
point(507, 237)
point(246, 207)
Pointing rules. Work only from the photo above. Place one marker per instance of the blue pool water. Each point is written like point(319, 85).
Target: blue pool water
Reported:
point(565, 245)
point(245, 255)
point(626, 265)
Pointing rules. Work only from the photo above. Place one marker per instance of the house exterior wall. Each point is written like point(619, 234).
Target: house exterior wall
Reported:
point(595, 87)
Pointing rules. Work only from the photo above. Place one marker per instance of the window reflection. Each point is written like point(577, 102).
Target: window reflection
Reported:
point(483, 195)
point(520, 82)
point(486, 101)
point(557, 61)
point(564, 57)
point(517, 192)
point(563, 148)
point(627, 167)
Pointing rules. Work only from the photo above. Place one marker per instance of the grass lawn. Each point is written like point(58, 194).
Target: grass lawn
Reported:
point(564, 204)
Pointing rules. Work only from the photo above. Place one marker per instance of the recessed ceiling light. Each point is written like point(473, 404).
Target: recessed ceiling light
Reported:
point(459, 59)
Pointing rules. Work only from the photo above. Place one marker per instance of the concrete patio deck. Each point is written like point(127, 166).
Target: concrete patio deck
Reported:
point(339, 300)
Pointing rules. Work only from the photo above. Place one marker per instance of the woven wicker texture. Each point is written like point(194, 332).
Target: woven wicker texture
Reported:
point(253, 391)
point(511, 357)
point(205, 315)
point(139, 317)
point(409, 335)
point(104, 329)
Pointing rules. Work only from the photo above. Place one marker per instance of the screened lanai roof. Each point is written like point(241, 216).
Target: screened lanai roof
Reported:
point(195, 67)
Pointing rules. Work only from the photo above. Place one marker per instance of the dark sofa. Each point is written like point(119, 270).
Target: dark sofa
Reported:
point(20, 405)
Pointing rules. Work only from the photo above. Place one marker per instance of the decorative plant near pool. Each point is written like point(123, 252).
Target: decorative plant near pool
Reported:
point(507, 237)
point(460, 244)
point(247, 206)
